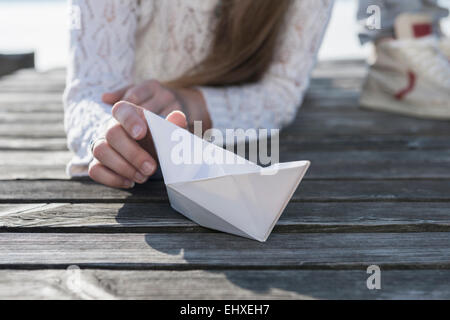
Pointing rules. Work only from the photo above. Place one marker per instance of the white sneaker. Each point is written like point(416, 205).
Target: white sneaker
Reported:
point(444, 45)
point(410, 77)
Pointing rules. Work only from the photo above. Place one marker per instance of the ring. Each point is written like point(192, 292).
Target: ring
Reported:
point(94, 142)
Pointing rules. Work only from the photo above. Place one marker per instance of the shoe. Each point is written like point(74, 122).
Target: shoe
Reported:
point(409, 77)
point(444, 46)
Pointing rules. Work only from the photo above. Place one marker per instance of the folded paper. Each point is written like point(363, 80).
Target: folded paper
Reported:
point(237, 197)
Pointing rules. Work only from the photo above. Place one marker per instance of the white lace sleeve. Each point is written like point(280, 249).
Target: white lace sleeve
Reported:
point(101, 58)
point(273, 102)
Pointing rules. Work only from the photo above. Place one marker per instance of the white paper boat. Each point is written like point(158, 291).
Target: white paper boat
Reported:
point(239, 198)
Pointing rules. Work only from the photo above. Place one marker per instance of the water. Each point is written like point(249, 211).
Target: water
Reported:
point(35, 25)
point(40, 25)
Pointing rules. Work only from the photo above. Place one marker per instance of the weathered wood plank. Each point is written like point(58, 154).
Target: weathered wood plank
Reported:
point(19, 87)
point(209, 250)
point(368, 145)
point(42, 118)
point(27, 144)
point(324, 68)
point(13, 62)
point(221, 284)
point(32, 130)
point(160, 217)
point(35, 171)
point(38, 158)
point(22, 101)
point(33, 81)
point(27, 97)
point(32, 75)
point(37, 82)
point(77, 190)
point(28, 107)
point(23, 191)
point(363, 143)
point(331, 123)
point(56, 86)
point(314, 101)
point(335, 123)
point(372, 164)
point(288, 142)
point(325, 165)
point(342, 104)
point(50, 84)
point(341, 83)
point(340, 69)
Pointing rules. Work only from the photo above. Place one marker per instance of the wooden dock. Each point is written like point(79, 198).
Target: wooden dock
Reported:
point(377, 193)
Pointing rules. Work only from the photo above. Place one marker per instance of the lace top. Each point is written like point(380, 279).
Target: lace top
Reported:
point(114, 43)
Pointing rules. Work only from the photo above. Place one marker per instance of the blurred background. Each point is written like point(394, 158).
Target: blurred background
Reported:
point(40, 26)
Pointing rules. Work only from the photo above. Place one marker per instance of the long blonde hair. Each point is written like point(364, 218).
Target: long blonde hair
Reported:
point(243, 45)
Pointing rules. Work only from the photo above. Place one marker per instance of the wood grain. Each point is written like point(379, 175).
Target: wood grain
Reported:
point(212, 250)
point(411, 164)
point(288, 142)
point(33, 130)
point(329, 123)
point(309, 191)
point(27, 144)
point(160, 217)
point(30, 118)
point(377, 193)
point(221, 284)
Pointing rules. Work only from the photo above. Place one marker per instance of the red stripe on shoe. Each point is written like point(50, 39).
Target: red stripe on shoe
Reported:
point(422, 30)
point(411, 84)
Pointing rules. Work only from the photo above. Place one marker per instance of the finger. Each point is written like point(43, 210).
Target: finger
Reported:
point(105, 176)
point(141, 93)
point(131, 117)
point(114, 96)
point(152, 106)
point(160, 100)
point(178, 118)
point(111, 159)
point(131, 151)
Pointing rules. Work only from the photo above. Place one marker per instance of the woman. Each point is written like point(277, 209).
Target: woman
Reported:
point(230, 64)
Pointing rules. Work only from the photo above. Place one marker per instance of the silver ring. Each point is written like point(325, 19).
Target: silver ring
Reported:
point(94, 142)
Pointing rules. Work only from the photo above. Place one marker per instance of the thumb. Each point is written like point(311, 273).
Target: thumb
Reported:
point(178, 118)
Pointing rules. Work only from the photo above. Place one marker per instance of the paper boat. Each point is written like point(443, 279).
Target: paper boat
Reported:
point(240, 197)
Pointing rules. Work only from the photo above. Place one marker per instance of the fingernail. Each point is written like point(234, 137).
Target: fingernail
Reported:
point(139, 177)
point(137, 129)
point(147, 168)
point(128, 183)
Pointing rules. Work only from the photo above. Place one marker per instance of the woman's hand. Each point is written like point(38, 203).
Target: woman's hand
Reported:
point(150, 95)
point(155, 97)
point(127, 155)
